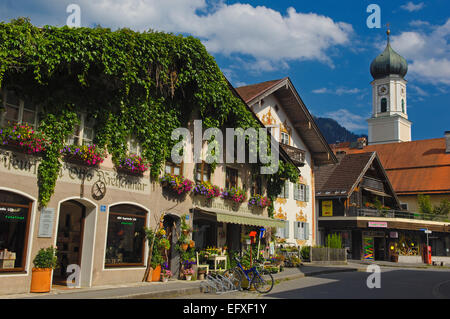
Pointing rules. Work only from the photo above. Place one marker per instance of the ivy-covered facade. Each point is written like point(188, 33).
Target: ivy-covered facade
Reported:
point(86, 122)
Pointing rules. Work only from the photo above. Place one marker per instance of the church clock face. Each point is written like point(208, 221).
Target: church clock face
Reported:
point(383, 90)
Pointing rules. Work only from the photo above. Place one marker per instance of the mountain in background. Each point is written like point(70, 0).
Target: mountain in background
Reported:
point(333, 132)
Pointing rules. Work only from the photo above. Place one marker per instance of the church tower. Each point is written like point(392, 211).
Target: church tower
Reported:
point(389, 122)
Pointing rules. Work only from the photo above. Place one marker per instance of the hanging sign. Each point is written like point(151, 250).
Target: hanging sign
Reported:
point(327, 208)
point(46, 221)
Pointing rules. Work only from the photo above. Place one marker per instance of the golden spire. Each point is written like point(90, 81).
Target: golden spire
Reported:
point(388, 31)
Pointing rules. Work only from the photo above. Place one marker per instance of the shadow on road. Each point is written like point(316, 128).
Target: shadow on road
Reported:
point(395, 284)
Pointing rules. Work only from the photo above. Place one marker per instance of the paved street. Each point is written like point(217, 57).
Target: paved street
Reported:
point(395, 284)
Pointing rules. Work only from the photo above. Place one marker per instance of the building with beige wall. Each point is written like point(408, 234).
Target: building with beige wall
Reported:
point(280, 108)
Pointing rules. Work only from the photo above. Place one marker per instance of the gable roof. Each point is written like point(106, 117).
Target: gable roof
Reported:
point(296, 111)
point(414, 167)
point(340, 180)
point(281, 151)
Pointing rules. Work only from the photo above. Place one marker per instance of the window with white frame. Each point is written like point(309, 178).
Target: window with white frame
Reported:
point(301, 230)
point(134, 148)
point(301, 192)
point(283, 232)
point(284, 138)
point(18, 111)
point(83, 133)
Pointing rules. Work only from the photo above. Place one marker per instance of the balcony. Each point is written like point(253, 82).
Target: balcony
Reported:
point(372, 183)
point(366, 212)
point(297, 155)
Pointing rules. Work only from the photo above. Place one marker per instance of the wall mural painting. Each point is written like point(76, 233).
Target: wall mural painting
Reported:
point(300, 217)
point(280, 214)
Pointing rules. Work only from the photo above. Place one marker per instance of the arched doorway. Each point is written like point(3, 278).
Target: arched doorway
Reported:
point(75, 242)
point(171, 225)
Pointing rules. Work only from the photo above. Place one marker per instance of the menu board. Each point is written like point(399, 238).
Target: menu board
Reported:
point(46, 222)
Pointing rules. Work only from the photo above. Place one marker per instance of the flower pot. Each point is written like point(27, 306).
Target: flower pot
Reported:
point(156, 275)
point(41, 279)
point(164, 279)
point(188, 277)
point(201, 276)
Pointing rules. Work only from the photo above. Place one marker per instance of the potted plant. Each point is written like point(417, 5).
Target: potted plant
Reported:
point(201, 273)
point(23, 139)
point(89, 155)
point(235, 194)
point(165, 273)
point(41, 274)
point(157, 257)
point(188, 273)
point(132, 164)
point(259, 201)
point(177, 183)
point(207, 189)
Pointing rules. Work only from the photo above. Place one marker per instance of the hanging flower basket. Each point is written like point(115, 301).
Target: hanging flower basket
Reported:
point(176, 183)
point(207, 189)
point(235, 194)
point(132, 164)
point(24, 139)
point(88, 155)
point(259, 201)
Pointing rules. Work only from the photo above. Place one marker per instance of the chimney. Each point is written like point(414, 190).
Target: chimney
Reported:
point(447, 142)
point(362, 142)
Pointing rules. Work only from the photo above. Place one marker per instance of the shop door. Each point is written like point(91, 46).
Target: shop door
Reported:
point(171, 226)
point(380, 248)
point(69, 239)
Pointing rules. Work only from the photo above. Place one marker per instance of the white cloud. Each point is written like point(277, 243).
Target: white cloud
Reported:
point(413, 7)
point(419, 23)
point(338, 91)
point(266, 36)
point(350, 121)
point(428, 53)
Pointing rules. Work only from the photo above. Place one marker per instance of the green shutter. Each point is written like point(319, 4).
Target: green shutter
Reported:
point(286, 230)
point(296, 191)
point(286, 189)
point(306, 193)
point(306, 225)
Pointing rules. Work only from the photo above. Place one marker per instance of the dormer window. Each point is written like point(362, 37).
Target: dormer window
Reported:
point(284, 138)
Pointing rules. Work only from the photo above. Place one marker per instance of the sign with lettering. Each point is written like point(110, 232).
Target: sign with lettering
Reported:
point(327, 208)
point(378, 224)
point(27, 165)
point(46, 221)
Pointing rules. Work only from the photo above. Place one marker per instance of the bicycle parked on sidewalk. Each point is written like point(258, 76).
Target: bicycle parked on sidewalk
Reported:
point(258, 277)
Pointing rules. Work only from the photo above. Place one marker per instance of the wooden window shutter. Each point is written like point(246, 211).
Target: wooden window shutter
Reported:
point(286, 229)
point(306, 193)
point(306, 225)
point(286, 189)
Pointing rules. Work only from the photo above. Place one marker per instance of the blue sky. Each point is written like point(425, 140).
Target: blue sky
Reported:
point(324, 46)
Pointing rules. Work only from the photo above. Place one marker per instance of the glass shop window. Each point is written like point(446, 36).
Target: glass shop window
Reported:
point(15, 213)
point(125, 245)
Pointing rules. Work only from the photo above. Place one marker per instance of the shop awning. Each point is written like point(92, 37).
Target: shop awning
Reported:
point(226, 216)
point(376, 192)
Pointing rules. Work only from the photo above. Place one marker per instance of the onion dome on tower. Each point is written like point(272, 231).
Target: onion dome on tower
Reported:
point(388, 63)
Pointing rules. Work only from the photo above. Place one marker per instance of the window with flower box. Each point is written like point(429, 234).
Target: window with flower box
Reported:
point(257, 185)
point(83, 133)
point(125, 245)
point(173, 168)
point(134, 148)
point(231, 178)
point(202, 172)
point(18, 111)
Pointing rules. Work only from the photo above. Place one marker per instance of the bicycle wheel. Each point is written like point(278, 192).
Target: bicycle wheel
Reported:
point(234, 275)
point(262, 281)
